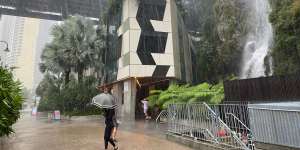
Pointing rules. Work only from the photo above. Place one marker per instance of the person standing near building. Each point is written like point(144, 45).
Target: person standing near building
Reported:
point(145, 106)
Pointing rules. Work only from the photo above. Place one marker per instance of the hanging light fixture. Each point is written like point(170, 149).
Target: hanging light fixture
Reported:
point(138, 82)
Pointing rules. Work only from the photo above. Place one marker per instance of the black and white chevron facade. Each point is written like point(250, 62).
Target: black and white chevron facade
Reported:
point(147, 44)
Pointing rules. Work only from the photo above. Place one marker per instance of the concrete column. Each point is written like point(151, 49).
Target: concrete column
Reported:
point(129, 99)
point(117, 93)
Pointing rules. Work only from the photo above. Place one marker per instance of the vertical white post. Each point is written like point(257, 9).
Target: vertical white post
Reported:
point(129, 99)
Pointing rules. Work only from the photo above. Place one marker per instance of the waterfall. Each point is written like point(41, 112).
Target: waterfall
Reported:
point(257, 48)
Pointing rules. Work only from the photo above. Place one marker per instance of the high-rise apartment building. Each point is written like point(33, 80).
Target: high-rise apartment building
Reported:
point(25, 64)
point(12, 32)
point(26, 38)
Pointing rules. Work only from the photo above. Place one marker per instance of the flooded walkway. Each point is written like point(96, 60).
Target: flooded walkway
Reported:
point(85, 134)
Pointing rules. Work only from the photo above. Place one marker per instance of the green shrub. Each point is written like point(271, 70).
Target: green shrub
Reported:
point(70, 99)
point(10, 101)
point(204, 92)
point(153, 98)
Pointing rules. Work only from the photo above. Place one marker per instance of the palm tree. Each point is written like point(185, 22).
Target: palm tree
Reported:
point(56, 60)
point(80, 35)
point(75, 47)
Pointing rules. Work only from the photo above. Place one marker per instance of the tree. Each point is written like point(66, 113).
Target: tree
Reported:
point(10, 101)
point(78, 47)
point(111, 18)
point(220, 28)
point(73, 48)
point(70, 99)
point(49, 90)
point(56, 60)
point(285, 18)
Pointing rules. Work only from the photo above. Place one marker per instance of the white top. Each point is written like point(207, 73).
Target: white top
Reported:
point(145, 104)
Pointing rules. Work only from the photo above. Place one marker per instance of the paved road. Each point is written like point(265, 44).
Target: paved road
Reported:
point(84, 134)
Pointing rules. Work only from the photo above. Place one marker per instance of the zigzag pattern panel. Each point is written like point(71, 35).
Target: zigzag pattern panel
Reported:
point(151, 41)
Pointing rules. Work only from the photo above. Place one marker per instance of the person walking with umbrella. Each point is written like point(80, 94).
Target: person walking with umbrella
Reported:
point(109, 115)
point(106, 101)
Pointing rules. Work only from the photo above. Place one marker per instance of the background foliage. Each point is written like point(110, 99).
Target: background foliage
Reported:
point(285, 18)
point(10, 101)
point(71, 99)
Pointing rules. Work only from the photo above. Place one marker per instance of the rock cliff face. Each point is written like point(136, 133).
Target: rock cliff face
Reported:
point(285, 19)
point(222, 27)
point(244, 38)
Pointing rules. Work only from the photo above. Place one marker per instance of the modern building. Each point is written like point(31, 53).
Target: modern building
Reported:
point(11, 29)
point(148, 49)
point(27, 53)
point(26, 38)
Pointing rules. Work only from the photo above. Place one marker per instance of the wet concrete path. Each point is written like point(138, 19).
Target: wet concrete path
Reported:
point(85, 134)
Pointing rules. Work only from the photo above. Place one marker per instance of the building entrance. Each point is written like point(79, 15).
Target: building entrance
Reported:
point(144, 87)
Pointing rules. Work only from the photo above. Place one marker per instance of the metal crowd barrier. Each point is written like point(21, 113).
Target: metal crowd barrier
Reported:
point(204, 122)
point(275, 125)
point(236, 125)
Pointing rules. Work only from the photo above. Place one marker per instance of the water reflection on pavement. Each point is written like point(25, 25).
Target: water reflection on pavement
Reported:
point(85, 134)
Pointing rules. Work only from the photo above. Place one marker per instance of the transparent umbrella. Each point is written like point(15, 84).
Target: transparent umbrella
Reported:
point(104, 100)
